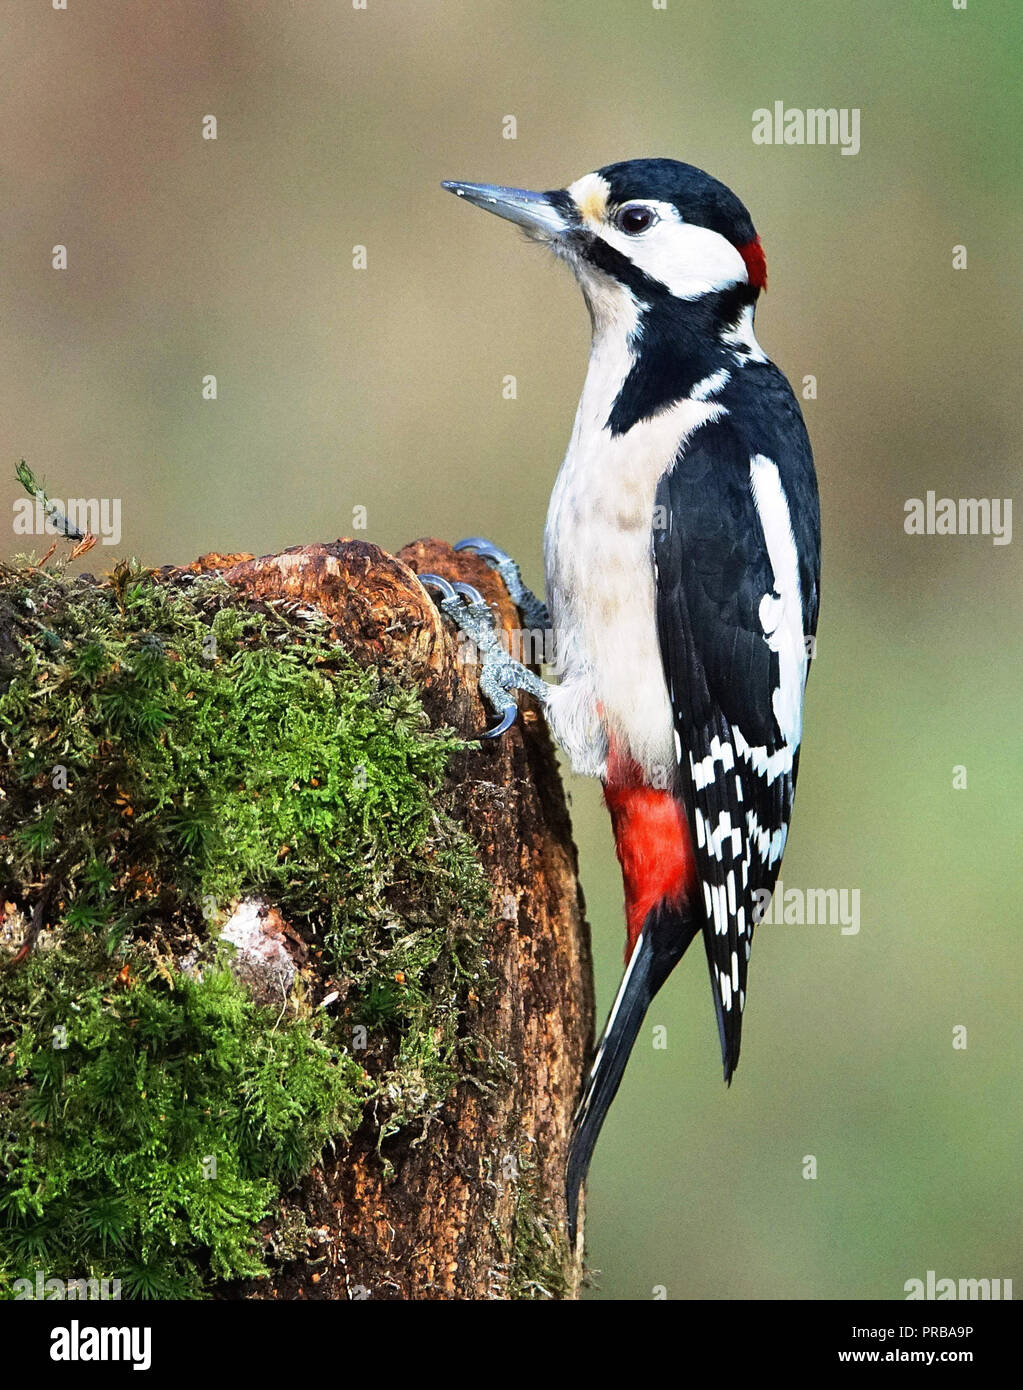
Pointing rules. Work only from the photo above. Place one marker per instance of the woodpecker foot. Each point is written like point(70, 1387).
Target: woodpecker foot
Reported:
point(500, 675)
point(533, 609)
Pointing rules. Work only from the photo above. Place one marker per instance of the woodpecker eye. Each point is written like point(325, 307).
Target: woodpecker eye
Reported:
point(634, 218)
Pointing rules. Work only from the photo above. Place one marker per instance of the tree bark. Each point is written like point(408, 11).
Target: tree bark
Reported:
point(475, 1209)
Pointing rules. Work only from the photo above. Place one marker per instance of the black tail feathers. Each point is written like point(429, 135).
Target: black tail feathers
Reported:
point(661, 945)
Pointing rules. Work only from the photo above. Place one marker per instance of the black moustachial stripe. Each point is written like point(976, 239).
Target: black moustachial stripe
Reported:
point(677, 343)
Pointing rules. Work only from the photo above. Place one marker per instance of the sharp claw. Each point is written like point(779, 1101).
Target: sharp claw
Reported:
point(484, 548)
point(467, 591)
point(507, 720)
point(458, 600)
point(438, 582)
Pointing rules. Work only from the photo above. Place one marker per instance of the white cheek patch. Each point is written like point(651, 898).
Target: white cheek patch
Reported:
point(687, 259)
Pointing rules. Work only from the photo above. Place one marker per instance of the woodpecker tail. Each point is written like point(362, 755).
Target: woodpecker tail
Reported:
point(659, 947)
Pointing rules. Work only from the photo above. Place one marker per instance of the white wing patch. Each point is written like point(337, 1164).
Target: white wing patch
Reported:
point(781, 613)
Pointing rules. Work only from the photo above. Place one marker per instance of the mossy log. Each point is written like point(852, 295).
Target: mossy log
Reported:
point(475, 1210)
point(460, 1197)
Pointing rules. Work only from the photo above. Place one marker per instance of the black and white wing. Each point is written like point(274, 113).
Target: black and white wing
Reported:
point(737, 566)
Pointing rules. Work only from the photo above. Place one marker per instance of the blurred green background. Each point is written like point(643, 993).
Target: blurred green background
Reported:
point(382, 389)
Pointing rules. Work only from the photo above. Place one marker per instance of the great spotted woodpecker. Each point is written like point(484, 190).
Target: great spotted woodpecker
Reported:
point(682, 557)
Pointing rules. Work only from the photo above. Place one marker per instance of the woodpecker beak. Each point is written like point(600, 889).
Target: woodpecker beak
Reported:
point(536, 212)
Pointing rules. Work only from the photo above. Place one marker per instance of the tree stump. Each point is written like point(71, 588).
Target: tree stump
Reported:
point(463, 1212)
point(472, 1206)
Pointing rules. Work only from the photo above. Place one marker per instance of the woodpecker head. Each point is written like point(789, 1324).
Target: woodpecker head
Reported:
point(644, 231)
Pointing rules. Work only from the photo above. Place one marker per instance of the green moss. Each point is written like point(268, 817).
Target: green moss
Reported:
point(163, 753)
point(145, 1130)
point(538, 1258)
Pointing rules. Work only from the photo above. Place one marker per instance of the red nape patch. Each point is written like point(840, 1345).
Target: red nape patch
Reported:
point(756, 263)
point(653, 844)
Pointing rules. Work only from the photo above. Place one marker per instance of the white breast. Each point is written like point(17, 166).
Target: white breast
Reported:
point(600, 574)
